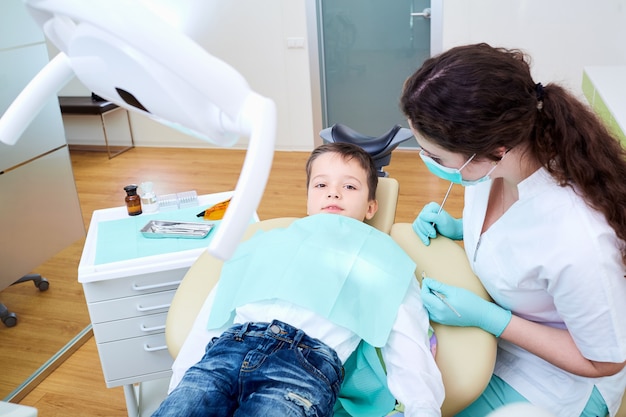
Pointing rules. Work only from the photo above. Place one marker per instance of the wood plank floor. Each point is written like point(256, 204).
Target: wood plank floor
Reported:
point(77, 388)
point(47, 320)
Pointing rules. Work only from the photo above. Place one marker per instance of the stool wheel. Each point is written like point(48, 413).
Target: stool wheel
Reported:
point(42, 284)
point(8, 318)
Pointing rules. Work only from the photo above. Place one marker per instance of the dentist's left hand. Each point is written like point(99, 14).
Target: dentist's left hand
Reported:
point(473, 310)
point(433, 219)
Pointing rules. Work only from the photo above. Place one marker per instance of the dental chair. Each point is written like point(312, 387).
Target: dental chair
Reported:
point(465, 356)
point(380, 147)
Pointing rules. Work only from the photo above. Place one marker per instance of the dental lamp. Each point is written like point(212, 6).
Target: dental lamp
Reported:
point(124, 53)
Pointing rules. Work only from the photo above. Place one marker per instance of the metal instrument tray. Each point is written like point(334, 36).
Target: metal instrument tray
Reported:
point(169, 228)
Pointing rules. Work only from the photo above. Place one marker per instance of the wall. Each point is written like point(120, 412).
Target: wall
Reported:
point(251, 36)
point(562, 36)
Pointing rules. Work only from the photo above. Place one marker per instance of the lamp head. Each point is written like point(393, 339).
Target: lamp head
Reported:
point(126, 54)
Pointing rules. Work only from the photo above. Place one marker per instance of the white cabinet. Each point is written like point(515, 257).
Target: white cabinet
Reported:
point(128, 298)
point(129, 325)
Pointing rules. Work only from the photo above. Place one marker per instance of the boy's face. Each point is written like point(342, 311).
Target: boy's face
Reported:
point(339, 186)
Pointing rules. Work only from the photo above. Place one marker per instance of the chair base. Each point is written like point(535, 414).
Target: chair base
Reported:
point(9, 319)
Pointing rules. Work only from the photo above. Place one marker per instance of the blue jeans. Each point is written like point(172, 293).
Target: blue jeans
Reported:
point(259, 369)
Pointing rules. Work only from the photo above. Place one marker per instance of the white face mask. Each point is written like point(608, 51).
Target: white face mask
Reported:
point(454, 174)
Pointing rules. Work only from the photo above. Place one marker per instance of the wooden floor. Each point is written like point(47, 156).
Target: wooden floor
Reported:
point(77, 387)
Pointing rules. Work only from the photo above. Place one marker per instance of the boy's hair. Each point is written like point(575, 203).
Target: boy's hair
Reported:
point(348, 151)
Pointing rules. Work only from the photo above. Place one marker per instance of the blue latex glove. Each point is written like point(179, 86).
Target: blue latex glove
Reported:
point(472, 310)
point(443, 222)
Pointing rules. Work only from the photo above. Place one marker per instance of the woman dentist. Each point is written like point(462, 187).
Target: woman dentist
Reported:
point(544, 227)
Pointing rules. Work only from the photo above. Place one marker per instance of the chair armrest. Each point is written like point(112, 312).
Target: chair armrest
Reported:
point(465, 355)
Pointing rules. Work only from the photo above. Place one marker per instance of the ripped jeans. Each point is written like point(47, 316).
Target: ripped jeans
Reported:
point(259, 369)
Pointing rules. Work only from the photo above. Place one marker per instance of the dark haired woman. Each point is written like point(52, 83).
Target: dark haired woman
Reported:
point(544, 227)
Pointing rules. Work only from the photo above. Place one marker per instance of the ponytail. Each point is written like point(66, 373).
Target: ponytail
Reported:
point(573, 144)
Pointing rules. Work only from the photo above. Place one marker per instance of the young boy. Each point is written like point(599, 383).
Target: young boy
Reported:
point(298, 311)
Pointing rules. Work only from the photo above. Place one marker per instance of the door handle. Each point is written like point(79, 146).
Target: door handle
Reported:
point(425, 13)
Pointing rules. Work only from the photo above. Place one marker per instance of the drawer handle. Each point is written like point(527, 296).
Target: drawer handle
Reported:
point(147, 348)
point(159, 307)
point(151, 329)
point(155, 286)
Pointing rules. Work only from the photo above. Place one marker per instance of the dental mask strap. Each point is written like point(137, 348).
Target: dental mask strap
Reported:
point(454, 174)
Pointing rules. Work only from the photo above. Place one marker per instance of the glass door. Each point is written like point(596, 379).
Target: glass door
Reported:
point(366, 51)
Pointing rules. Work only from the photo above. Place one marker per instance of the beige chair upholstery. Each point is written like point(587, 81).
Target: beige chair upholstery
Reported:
point(387, 197)
point(622, 409)
point(465, 355)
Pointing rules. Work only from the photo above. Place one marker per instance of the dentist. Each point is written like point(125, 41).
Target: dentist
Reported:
point(544, 227)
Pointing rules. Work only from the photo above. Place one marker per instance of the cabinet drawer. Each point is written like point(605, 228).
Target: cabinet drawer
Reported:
point(129, 307)
point(133, 285)
point(128, 328)
point(131, 358)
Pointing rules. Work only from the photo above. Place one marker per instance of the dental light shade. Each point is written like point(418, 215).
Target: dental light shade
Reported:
point(125, 54)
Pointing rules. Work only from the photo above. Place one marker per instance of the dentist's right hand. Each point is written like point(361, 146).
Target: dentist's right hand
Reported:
point(462, 308)
point(430, 221)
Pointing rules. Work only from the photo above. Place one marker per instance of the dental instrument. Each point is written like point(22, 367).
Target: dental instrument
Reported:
point(445, 197)
point(441, 296)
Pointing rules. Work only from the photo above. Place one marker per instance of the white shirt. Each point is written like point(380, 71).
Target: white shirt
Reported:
point(412, 374)
point(552, 259)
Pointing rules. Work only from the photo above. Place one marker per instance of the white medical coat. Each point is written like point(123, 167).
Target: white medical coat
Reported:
point(553, 260)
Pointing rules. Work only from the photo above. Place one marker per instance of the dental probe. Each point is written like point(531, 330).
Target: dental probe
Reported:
point(445, 197)
point(441, 297)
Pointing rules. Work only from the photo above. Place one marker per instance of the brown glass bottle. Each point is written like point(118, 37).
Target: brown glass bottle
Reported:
point(133, 201)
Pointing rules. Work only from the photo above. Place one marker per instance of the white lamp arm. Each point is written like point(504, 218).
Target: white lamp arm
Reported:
point(33, 97)
point(258, 116)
